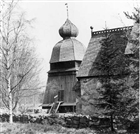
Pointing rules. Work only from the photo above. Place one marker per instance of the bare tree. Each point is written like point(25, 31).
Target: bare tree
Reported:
point(19, 64)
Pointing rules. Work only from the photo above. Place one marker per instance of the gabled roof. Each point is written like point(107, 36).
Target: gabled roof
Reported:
point(87, 66)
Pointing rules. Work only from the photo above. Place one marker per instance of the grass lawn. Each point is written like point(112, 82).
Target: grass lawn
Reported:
point(18, 128)
point(33, 128)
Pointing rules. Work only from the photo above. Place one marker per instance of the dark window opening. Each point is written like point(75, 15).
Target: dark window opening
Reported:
point(67, 109)
point(60, 95)
point(62, 65)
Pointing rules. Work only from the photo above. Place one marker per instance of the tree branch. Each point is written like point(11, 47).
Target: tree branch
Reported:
point(21, 79)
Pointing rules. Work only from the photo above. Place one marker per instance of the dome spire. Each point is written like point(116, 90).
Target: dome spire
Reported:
point(68, 29)
point(66, 4)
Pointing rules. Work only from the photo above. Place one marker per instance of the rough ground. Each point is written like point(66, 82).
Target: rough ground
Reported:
point(18, 128)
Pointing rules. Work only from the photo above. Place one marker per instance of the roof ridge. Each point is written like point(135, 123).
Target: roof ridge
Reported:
point(111, 30)
point(73, 50)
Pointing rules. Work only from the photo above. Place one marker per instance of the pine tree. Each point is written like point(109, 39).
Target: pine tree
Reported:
point(111, 64)
point(119, 94)
point(132, 50)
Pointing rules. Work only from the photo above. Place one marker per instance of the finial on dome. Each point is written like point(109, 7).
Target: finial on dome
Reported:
point(67, 10)
point(68, 29)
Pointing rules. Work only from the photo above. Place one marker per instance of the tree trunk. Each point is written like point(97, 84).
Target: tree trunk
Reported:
point(10, 109)
point(10, 103)
point(111, 123)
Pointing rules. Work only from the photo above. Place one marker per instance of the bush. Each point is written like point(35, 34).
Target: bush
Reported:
point(133, 126)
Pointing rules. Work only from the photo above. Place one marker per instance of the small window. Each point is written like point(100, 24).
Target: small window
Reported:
point(60, 95)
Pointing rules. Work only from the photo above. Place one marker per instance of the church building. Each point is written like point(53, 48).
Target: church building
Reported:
point(73, 77)
point(65, 60)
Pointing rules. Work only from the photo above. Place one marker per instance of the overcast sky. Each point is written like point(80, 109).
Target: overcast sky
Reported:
point(51, 15)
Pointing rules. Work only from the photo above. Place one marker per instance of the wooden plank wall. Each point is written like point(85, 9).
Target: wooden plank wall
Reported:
point(64, 82)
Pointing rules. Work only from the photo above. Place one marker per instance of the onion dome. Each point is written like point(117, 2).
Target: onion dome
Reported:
point(68, 49)
point(68, 29)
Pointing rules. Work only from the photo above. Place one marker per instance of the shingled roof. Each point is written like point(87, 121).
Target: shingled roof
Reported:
point(68, 50)
point(94, 47)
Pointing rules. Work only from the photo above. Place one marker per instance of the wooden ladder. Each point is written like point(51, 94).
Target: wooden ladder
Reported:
point(50, 111)
point(55, 107)
point(59, 103)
